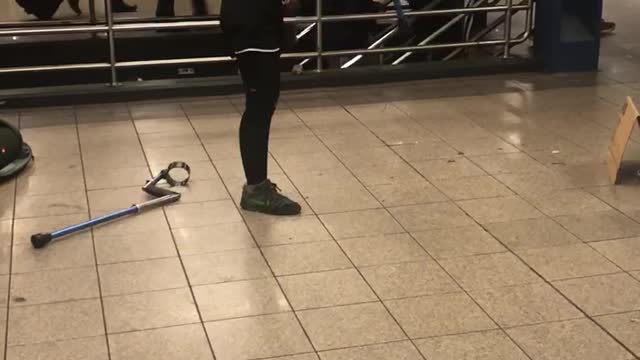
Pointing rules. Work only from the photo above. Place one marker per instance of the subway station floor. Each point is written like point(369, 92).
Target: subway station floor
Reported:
point(480, 225)
point(443, 220)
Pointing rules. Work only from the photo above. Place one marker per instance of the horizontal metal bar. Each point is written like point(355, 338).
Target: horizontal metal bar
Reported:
point(24, 69)
point(85, 29)
point(212, 59)
point(168, 25)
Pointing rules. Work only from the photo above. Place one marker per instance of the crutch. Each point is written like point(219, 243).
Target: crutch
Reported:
point(176, 174)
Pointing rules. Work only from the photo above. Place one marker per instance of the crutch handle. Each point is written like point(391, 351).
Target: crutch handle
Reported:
point(41, 240)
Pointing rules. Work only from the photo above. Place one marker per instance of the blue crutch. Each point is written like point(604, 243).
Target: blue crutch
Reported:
point(176, 174)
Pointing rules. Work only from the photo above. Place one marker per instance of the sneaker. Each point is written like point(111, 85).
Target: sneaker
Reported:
point(607, 27)
point(266, 198)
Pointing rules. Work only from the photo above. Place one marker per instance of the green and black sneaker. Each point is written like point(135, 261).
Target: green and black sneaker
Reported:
point(266, 198)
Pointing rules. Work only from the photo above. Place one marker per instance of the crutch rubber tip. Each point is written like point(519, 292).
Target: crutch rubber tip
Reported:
point(40, 240)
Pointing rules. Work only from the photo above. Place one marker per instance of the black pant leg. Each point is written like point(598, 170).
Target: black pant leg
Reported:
point(261, 78)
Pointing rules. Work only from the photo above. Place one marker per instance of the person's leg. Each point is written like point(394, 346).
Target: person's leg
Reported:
point(262, 89)
point(165, 8)
point(261, 78)
point(199, 7)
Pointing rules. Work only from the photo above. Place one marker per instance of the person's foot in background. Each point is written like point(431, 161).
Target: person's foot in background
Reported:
point(75, 6)
point(607, 27)
point(119, 6)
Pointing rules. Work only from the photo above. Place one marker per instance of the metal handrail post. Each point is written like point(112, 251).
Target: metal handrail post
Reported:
point(507, 29)
point(319, 33)
point(112, 44)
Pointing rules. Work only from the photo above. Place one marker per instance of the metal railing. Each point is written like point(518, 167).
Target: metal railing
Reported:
point(110, 28)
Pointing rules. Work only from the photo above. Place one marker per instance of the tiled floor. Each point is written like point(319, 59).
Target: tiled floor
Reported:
point(448, 219)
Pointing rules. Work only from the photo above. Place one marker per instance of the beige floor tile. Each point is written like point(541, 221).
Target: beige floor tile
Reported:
point(114, 156)
point(361, 223)
point(66, 253)
point(625, 252)
point(324, 179)
point(487, 345)
point(406, 193)
point(402, 350)
point(3, 329)
point(102, 178)
point(141, 276)
point(309, 356)
point(301, 163)
point(94, 348)
point(149, 310)
point(202, 190)
point(425, 150)
point(512, 163)
point(180, 342)
point(532, 234)
point(342, 199)
point(4, 289)
point(525, 305)
point(543, 182)
point(5, 259)
point(383, 249)
point(54, 286)
point(489, 271)
point(6, 232)
point(162, 123)
point(108, 200)
point(188, 153)
point(306, 258)
point(566, 262)
point(324, 289)
point(472, 188)
point(395, 281)
point(368, 157)
point(243, 264)
point(605, 294)
point(600, 225)
point(387, 173)
point(482, 146)
point(445, 314)
point(169, 139)
point(288, 230)
point(240, 299)
point(457, 242)
point(351, 325)
point(49, 205)
point(135, 246)
point(620, 197)
point(567, 202)
point(64, 181)
point(7, 199)
point(624, 327)
point(446, 169)
point(53, 322)
point(487, 211)
point(153, 220)
point(568, 340)
point(257, 337)
point(24, 228)
point(635, 274)
point(214, 238)
point(431, 216)
point(297, 145)
point(202, 214)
